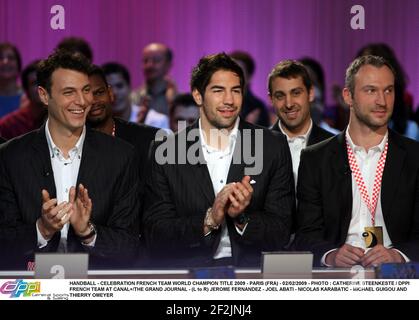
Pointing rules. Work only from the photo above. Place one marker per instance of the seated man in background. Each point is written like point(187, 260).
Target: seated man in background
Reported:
point(291, 92)
point(138, 135)
point(183, 112)
point(32, 113)
point(76, 45)
point(100, 118)
point(159, 89)
point(10, 67)
point(118, 77)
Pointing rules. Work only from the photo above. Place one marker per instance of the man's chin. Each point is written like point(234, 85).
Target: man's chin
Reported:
point(291, 125)
point(379, 122)
point(225, 124)
point(94, 121)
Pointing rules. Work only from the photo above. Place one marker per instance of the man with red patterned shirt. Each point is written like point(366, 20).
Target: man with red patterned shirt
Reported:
point(366, 179)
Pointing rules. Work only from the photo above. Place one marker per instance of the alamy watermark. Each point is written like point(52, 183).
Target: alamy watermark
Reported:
point(248, 148)
point(57, 21)
point(358, 20)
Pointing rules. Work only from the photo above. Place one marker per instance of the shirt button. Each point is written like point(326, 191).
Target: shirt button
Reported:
point(66, 190)
point(221, 181)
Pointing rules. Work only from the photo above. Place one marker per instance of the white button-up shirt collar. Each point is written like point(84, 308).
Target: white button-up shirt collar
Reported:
point(76, 151)
point(296, 145)
point(65, 176)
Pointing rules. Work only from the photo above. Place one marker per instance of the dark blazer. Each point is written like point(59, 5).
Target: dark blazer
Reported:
point(2, 140)
point(178, 196)
point(325, 196)
point(138, 135)
point(109, 173)
point(317, 133)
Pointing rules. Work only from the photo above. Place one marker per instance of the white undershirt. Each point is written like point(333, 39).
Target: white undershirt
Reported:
point(218, 164)
point(296, 145)
point(65, 176)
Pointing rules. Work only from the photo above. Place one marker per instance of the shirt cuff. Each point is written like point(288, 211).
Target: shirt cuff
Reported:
point(323, 260)
point(91, 244)
point(406, 259)
point(42, 242)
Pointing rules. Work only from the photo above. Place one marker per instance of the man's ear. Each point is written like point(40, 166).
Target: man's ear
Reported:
point(347, 96)
point(43, 95)
point(271, 98)
point(197, 97)
point(311, 94)
point(111, 94)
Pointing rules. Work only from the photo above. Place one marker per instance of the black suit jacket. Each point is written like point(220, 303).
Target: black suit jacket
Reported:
point(2, 140)
point(178, 196)
point(317, 133)
point(324, 194)
point(138, 135)
point(109, 173)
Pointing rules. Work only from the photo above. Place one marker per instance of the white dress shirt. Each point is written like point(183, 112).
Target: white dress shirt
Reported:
point(361, 217)
point(296, 145)
point(65, 176)
point(218, 164)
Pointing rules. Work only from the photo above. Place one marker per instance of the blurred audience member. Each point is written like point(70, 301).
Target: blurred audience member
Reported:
point(119, 79)
point(318, 105)
point(159, 90)
point(253, 109)
point(184, 112)
point(10, 66)
point(100, 118)
point(76, 44)
point(31, 114)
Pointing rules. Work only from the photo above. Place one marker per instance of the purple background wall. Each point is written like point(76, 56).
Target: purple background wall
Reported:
point(270, 30)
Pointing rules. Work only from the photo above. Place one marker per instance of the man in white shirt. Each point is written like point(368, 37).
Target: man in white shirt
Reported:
point(209, 209)
point(65, 187)
point(291, 92)
point(358, 192)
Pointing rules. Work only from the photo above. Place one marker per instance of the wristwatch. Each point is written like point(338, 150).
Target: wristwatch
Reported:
point(209, 221)
point(242, 219)
point(91, 233)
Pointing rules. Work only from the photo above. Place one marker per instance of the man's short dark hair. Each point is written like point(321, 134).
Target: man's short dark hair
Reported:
point(354, 67)
point(184, 100)
point(60, 59)
point(76, 44)
point(30, 68)
point(208, 65)
point(289, 69)
point(114, 67)
point(8, 45)
point(97, 71)
point(247, 60)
